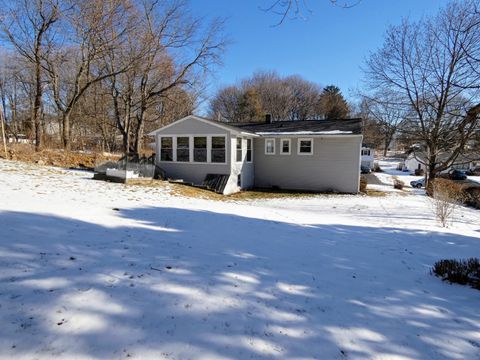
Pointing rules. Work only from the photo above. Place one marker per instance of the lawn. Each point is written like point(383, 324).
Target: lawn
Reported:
point(95, 270)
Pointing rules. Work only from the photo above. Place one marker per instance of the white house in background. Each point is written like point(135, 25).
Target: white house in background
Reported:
point(368, 156)
point(314, 155)
point(415, 161)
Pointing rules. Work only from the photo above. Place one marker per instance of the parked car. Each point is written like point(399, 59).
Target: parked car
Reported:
point(473, 172)
point(364, 169)
point(418, 183)
point(457, 175)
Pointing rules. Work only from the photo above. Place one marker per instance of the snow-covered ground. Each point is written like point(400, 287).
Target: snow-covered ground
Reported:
point(95, 270)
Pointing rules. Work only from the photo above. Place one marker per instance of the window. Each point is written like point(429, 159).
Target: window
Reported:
point(270, 146)
point(285, 146)
point(166, 149)
point(200, 149)
point(305, 146)
point(183, 149)
point(366, 152)
point(218, 149)
point(239, 149)
point(249, 150)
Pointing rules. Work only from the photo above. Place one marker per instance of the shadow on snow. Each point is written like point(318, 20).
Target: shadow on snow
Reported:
point(185, 284)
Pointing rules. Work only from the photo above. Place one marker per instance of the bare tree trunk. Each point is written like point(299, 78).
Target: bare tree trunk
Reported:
point(37, 103)
point(66, 130)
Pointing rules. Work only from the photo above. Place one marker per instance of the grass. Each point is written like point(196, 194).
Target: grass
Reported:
point(185, 190)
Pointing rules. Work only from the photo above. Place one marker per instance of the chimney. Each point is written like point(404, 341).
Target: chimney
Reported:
point(268, 118)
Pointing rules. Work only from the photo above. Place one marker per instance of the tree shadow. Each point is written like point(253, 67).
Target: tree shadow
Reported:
point(176, 283)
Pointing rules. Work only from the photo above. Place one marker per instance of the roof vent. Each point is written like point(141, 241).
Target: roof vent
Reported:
point(268, 118)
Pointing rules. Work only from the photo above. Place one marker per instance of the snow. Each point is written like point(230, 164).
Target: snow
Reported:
point(95, 270)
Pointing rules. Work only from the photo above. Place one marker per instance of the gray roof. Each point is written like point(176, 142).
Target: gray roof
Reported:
point(322, 127)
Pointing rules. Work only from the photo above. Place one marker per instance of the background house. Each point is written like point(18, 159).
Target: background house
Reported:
point(368, 156)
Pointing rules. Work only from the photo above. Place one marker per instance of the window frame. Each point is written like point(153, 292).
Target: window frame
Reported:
point(289, 146)
point(237, 150)
point(266, 142)
point(191, 148)
point(194, 148)
point(224, 148)
point(188, 148)
point(170, 148)
point(299, 147)
point(249, 141)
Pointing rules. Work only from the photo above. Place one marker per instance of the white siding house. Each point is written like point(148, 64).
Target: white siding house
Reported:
point(320, 155)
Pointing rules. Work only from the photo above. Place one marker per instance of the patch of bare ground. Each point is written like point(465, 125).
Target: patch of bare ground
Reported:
point(57, 157)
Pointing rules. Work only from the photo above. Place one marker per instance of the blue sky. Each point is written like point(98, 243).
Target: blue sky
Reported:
point(328, 47)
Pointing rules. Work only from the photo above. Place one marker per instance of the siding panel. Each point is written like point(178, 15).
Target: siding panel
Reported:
point(334, 165)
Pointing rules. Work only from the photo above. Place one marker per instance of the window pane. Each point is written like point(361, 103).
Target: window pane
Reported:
point(183, 149)
point(305, 146)
point(218, 149)
point(285, 146)
point(166, 151)
point(200, 149)
point(249, 149)
point(270, 146)
point(239, 149)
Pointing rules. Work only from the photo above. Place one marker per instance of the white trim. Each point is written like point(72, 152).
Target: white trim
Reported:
point(298, 146)
point(289, 147)
point(230, 129)
point(191, 148)
point(266, 141)
point(211, 149)
point(241, 149)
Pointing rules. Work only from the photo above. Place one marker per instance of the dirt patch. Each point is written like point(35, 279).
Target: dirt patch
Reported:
point(57, 157)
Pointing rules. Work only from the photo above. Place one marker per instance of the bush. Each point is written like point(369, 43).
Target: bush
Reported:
point(398, 184)
point(419, 172)
point(363, 183)
point(446, 196)
point(377, 168)
point(472, 196)
point(464, 272)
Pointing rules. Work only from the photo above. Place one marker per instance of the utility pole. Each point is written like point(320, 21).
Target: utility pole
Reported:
point(4, 138)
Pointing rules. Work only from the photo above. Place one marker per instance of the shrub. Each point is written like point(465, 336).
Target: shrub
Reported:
point(446, 196)
point(398, 184)
point(472, 196)
point(419, 172)
point(464, 272)
point(377, 168)
point(363, 183)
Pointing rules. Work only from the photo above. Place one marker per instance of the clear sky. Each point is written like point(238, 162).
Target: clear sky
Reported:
point(328, 47)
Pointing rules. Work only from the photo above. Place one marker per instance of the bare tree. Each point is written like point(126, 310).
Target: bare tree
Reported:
point(388, 112)
point(297, 8)
point(425, 65)
point(28, 26)
point(92, 29)
point(179, 50)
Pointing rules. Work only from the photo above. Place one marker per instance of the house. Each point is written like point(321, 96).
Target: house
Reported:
point(415, 160)
point(314, 155)
point(368, 156)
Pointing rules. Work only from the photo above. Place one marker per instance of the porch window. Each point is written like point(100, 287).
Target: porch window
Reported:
point(166, 149)
point(270, 146)
point(305, 146)
point(239, 149)
point(183, 149)
point(249, 150)
point(200, 149)
point(285, 146)
point(218, 149)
